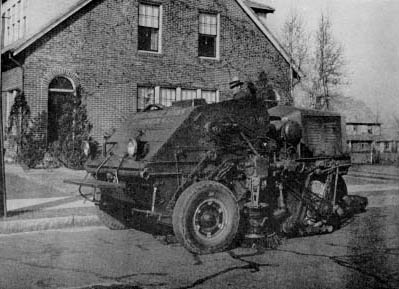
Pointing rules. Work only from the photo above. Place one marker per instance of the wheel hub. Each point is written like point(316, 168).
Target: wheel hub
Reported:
point(209, 218)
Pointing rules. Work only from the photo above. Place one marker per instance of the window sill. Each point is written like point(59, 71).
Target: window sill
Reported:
point(145, 52)
point(209, 58)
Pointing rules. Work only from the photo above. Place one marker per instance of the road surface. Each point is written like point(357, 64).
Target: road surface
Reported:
point(363, 254)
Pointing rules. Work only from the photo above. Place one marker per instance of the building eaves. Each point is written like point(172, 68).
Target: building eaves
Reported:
point(19, 46)
point(271, 37)
point(257, 7)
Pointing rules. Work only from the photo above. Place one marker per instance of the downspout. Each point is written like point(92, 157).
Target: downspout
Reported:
point(17, 63)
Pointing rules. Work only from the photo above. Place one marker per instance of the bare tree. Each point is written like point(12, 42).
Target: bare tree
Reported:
point(295, 40)
point(396, 124)
point(328, 64)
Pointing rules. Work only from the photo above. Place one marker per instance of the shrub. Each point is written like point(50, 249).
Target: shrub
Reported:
point(18, 124)
point(33, 142)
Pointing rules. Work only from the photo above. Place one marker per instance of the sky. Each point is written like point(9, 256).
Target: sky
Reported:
point(368, 31)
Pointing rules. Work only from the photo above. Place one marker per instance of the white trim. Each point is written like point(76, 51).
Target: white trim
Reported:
point(157, 92)
point(160, 29)
point(61, 90)
point(269, 36)
point(218, 39)
point(178, 93)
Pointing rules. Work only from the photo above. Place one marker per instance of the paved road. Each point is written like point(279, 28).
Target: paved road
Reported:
point(363, 254)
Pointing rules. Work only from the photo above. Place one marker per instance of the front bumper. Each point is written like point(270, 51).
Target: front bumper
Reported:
point(96, 185)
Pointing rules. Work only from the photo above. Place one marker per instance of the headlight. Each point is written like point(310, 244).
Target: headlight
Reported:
point(132, 147)
point(86, 148)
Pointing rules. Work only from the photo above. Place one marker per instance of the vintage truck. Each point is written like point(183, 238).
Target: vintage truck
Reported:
point(217, 173)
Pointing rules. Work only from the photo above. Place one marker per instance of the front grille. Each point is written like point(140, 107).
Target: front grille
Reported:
point(323, 135)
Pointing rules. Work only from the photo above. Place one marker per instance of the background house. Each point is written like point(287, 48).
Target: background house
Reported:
point(363, 130)
point(369, 140)
point(388, 146)
point(122, 55)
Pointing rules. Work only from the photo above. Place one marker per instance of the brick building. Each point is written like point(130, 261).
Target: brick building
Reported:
point(122, 55)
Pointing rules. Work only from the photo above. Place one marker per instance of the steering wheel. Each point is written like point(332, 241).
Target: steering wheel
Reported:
point(154, 107)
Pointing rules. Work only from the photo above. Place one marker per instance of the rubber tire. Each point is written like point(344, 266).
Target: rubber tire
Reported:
point(112, 215)
point(185, 208)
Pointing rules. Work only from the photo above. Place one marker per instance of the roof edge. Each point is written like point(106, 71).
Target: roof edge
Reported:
point(259, 7)
point(50, 27)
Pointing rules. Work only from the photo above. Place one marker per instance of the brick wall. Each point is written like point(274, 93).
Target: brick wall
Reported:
point(97, 48)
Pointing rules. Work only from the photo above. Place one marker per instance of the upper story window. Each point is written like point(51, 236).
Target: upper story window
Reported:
point(149, 27)
point(208, 35)
point(14, 20)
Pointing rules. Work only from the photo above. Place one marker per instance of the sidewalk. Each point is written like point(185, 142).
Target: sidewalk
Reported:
point(39, 199)
point(375, 171)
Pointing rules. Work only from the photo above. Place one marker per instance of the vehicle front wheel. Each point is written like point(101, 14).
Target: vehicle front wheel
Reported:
point(206, 217)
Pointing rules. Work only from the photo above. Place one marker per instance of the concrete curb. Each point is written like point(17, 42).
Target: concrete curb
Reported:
point(373, 176)
point(30, 225)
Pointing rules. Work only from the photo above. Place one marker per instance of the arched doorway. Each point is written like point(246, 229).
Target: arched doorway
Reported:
point(61, 93)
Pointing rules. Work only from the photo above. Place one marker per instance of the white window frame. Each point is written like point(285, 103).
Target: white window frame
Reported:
point(217, 54)
point(158, 98)
point(15, 21)
point(160, 28)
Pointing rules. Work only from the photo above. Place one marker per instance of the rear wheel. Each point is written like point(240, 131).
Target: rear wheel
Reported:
point(112, 214)
point(206, 217)
point(318, 186)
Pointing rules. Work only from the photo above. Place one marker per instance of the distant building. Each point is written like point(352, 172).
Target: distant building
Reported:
point(362, 138)
point(123, 55)
point(363, 130)
point(388, 146)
